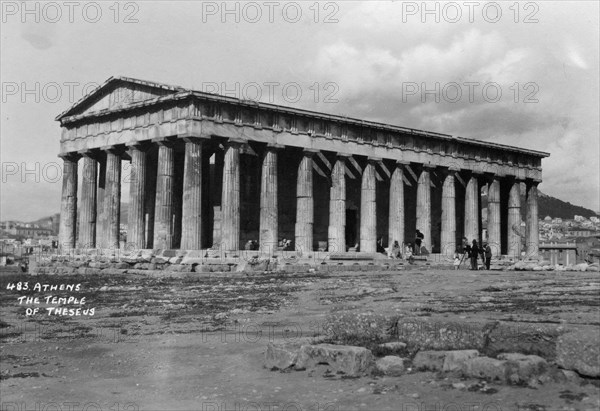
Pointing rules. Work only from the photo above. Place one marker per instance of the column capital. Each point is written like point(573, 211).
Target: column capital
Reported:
point(138, 145)
point(193, 135)
point(275, 146)
point(490, 176)
point(402, 163)
point(89, 153)
point(343, 156)
point(448, 169)
point(309, 152)
point(113, 149)
point(72, 156)
point(234, 141)
point(424, 166)
point(374, 159)
point(163, 141)
point(193, 139)
point(513, 179)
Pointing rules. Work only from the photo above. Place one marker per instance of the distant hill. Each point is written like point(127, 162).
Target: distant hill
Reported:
point(556, 208)
point(550, 206)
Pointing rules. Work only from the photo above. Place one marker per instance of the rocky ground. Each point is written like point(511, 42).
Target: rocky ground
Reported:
point(198, 341)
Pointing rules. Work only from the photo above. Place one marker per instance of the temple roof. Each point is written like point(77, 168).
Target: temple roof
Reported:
point(124, 93)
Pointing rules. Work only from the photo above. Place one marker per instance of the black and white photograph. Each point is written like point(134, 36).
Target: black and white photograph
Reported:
point(300, 205)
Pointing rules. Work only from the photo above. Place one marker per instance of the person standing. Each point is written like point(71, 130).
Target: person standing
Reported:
point(473, 254)
point(487, 253)
point(456, 260)
point(396, 252)
point(418, 241)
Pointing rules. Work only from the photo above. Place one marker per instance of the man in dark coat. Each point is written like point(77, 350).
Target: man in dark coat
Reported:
point(487, 254)
point(473, 255)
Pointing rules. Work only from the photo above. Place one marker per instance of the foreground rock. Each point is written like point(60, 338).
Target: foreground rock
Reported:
point(454, 360)
point(580, 351)
point(357, 328)
point(523, 368)
point(533, 339)
point(390, 365)
point(443, 360)
point(484, 367)
point(349, 360)
point(429, 360)
point(441, 334)
point(281, 356)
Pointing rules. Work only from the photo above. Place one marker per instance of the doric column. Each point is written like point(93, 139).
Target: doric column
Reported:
point(100, 212)
point(532, 219)
point(424, 205)
point(136, 224)
point(514, 219)
point(396, 215)
point(305, 204)
point(336, 232)
point(112, 199)
point(368, 209)
point(268, 232)
point(230, 200)
point(493, 216)
point(448, 235)
point(87, 211)
point(68, 203)
point(163, 212)
point(191, 234)
point(472, 209)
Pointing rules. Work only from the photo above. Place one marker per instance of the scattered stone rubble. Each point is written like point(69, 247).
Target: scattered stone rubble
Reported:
point(159, 262)
point(486, 351)
point(110, 261)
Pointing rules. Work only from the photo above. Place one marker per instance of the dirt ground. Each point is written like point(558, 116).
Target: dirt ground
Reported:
point(197, 342)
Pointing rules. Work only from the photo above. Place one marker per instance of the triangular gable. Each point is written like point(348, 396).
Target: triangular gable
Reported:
point(116, 93)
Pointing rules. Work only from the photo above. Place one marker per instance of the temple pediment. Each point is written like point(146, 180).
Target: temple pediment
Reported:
point(117, 93)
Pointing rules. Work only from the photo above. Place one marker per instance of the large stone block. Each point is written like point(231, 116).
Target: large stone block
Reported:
point(429, 360)
point(532, 339)
point(454, 360)
point(281, 355)
point(439, 334)
point(345, 359)
point(487, 368)
point(390, 365)
point(361, 327)
point(522, 368)
point(580, 351)
point(181, 268)
point(193, 260)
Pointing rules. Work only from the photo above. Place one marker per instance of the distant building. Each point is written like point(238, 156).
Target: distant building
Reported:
point(29, 231)
point(585, 245)
point(559, 252)
point(595, 220)
point(581, 232)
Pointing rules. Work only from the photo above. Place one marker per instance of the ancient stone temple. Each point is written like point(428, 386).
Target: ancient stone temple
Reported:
point(205, 171)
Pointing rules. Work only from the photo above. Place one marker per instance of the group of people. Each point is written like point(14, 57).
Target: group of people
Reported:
point(473, 252)
point(409, 251)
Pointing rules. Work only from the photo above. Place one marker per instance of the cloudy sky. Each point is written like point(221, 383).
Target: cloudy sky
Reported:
point(523, 74)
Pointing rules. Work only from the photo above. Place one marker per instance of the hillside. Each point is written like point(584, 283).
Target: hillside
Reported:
point(551, 206)
point(556, 208)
